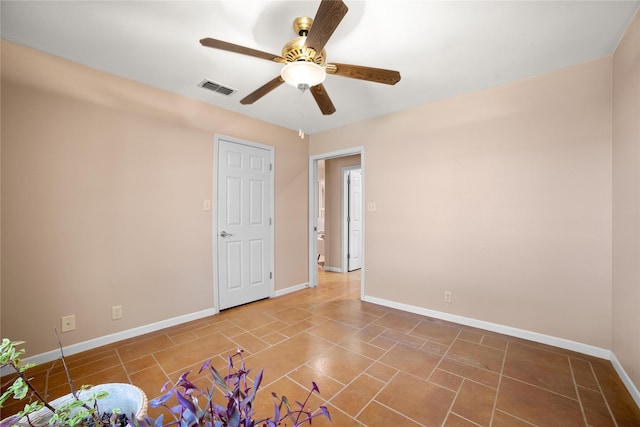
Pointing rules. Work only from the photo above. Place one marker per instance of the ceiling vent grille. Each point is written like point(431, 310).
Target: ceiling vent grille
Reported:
point(217, 87)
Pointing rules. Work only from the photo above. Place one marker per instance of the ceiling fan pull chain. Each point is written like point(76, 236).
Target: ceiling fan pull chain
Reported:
point(302, 88)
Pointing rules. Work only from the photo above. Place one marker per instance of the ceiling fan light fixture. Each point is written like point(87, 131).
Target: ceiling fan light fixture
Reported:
point(303, 73)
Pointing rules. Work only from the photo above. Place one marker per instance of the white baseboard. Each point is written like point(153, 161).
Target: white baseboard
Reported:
point(633, 390)
point(333, 269)
point(495, 327)
point(590, 350)
point(118, 336)
point(290, 289)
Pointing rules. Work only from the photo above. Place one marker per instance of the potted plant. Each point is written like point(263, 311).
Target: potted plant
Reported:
point(111, 404)
point(197, 407)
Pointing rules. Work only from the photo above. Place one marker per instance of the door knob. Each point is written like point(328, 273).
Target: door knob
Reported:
point(225, 234)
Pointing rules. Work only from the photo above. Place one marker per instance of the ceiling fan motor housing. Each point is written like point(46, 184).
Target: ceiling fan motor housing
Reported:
point(294, 49)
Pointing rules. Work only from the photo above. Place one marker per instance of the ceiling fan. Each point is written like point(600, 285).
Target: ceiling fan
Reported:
point(304, 58)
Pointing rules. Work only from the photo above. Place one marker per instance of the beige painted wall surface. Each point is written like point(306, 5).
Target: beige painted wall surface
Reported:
point(333, 210)
point(103, 182)
point(502, 197)
point(626, 202)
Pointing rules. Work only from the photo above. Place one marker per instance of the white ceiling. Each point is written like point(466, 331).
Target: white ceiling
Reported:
point(441, 48)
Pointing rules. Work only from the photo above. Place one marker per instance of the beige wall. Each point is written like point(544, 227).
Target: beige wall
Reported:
point(103, 182)
point(333, 209)
point(501, 196)
point(626, 201)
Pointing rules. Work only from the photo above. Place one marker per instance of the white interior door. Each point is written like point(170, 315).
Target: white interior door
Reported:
point(354, 221)
point(244, 225)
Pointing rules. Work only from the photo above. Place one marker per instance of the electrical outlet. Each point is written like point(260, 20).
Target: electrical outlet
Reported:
point(68, 323)
point(447, 296)
point(116, 312)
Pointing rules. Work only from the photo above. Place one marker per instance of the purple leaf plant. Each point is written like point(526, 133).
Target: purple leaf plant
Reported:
point(196, 406)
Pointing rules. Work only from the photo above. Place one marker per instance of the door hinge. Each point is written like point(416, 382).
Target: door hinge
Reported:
point(270, 166)
point(271, 275)
point(269, 221)
point(348, 256)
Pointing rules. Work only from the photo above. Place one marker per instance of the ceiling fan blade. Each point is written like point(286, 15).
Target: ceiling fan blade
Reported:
point(378, 75)
point(328, 17)
point(262, 91)
point(322, 99)
point(230, 47)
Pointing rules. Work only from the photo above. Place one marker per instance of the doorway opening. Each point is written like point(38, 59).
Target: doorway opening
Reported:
point(327, 234)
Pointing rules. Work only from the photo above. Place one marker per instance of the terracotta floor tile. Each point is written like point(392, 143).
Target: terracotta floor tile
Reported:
point(370, 332)
point(144, 347)
point(183, 337)
point(139, 364)
point(427, 403)
point(382, 372)
point(269, 328)
point(380, 366)
point(175, 358)
point(249, 342)
point(446, 380)
point(304, 375)
point(332, 331)
point(476, 355)
point(436, 331)
point(377, 415)
point(340, 364)
point(474, 402)
point(399, 337)
point(411, 360)
point(595, 408)
point(287, 355)
point(357, 394)
point(353, 343)
point(494, 342)
point(397, 322)
point(479, 375)
point(583, 373)
point(454, 420)
point(624, 409)
point(538, 406)
point(150, 381)
point(435, 348)
point(295, 329)
point(541, 368)
point(338, 418)
point(382, 342)
point(292, 315)
point(501, 419)
point(471, 335)
point(246, 319)
point(274, 338)
point(214, 328)
point(114, 374)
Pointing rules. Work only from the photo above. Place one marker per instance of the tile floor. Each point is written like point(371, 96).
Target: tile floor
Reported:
point(374, 366)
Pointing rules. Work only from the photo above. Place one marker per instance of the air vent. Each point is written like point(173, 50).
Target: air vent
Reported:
point(217, 87)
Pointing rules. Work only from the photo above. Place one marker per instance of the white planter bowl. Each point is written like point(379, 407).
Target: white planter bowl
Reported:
point(128, 398)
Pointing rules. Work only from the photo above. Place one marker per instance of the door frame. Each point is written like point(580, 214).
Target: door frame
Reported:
point(214, 225)
point(313, 208)
point(345, 214)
